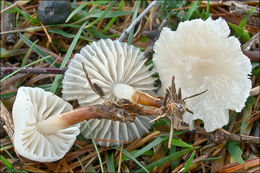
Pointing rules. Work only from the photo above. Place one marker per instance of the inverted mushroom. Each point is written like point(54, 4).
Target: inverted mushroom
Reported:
point(33, 139)
point(117, 68)
point(45, 125)
point(202, 56)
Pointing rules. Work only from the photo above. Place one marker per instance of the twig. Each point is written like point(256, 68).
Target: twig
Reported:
point(29, 70)
point(49, 37)
point(195, 95)
point(249, 48)
point(14, 52)
point(236, 167)
point(2, 22)
point(122, 37)
point(249, 44)
point(171, 134)
point(97, 89)
point(17, 3)
point(120, 157)
point(7, 122)
point(252, 55)
point(255, 91)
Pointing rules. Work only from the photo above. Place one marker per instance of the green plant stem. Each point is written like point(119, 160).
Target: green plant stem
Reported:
point(58, 78)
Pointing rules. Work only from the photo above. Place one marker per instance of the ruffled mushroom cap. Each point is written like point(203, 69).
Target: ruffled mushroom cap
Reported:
point(202, 57)
point(108, 64)
point(33, 105)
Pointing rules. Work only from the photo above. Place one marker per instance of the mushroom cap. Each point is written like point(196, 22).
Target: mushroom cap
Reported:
point(31, 106)
point(108, 63)
point(202, 56)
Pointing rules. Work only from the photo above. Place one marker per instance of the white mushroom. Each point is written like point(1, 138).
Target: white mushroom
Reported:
point(202, 56)
point(38, 132)
point(114, 66)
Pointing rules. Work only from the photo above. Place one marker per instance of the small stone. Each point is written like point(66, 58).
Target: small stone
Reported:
point(53, 12)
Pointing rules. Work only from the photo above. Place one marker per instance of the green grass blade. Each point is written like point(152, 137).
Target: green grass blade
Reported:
point(238, 30)
point(74, 12)
point(149, 146)
point(67, 35)
point(25, 59)
point(110, 161)
point(235, 151)
point(27, 54)
point(112, 21)
point(96, 148)
point(246, 36)
point(9, 154)
point(180, 143)
point(131, 33)
point(7, 95)
point(7, 164)
point(126, 153)
point(206, 14)
point(242, 24)
point(28, 65)
point(174, 163)
point(188, 163)
point(109, 14)
point(212, 158)
point(165, 160)
point(97, 34)
point(245, 119)
point(103, 14)
point(230, 120)
point(11, 53)
point(191, 10)
point(27, 16)
point(207, 10)
point(58, 78)
point(36, 49)
point(146, 148)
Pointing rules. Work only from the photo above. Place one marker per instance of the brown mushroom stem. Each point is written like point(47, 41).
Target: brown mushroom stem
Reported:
point(64, 120)
point(146, 99)
point(124, 91)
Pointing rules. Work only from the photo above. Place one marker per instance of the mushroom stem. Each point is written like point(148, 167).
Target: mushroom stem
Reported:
point(124, 91)
point(64, 120)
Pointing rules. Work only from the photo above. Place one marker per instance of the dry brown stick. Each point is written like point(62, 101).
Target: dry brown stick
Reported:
point(16, 3)
point(7, 122)
point(30, 70)
point(252, 55)
point(120, 157)
point(255, 91)
point(236, 167)
point(98, 90)
point(11, 53)
point(2, 24)
point(148, 8)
